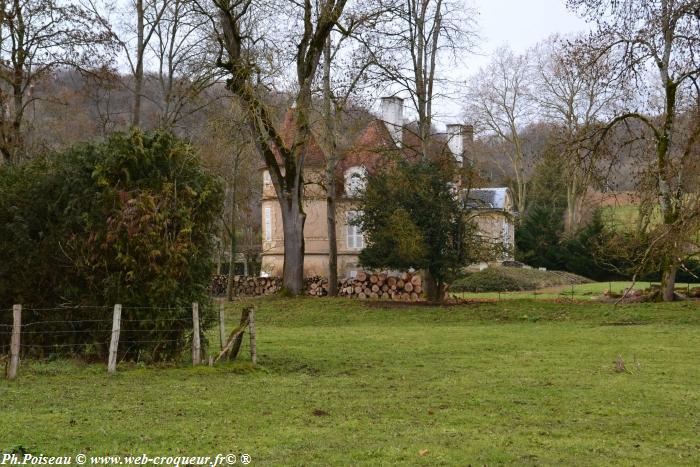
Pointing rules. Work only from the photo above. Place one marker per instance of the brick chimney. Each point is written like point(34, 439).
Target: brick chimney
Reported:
point(459, 139)
point(392, 115)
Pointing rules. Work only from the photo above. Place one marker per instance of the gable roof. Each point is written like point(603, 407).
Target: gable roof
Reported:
point(315, 157)
point(375, 144)
point(370, 148)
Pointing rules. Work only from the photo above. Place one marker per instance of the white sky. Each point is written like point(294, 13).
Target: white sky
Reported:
point(522, 23)
point(519, 24)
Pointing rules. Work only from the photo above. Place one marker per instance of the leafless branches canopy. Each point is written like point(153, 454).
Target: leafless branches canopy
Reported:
point(37, 37)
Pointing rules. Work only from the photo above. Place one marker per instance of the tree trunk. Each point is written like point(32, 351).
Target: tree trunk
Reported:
point(231, 263)
point(232, 230)
point(138, 73)
point(668, 280)
point(332, 241)
point(434, 290)
point(569, 221)
point(293, 227)
point(329, 117)
point(218, 259)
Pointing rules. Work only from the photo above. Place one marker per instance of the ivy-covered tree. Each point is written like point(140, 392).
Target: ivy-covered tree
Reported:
point(412, 218)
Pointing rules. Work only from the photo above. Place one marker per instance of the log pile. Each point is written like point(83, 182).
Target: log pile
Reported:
point(405, 287)
point(248, 286)
point(218, 285)
point(316, 286)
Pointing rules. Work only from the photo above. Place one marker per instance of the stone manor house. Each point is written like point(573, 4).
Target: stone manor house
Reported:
point(388, 133)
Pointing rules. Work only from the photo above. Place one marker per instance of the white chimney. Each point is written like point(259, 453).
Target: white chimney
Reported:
point(459, 137)
point(455, 141)
point(392, 115)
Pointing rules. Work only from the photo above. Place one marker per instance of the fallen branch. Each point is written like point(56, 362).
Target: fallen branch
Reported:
point(233, 344)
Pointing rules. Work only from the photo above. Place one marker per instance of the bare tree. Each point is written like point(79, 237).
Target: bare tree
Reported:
point(575, 96)
point(134, 39)
point(242, 61)
point(186, 67)
point(500, 100)
point(412, 49)
point(148, 18)
point(659, 42)
point(227, 150)
point(36, 38)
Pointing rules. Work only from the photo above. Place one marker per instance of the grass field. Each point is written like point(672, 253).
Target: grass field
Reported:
point(346, 383)
point(591, 291)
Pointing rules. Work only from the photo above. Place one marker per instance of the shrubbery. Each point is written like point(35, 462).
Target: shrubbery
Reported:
point(511, 279)
point(124, 221)
point(488, 280)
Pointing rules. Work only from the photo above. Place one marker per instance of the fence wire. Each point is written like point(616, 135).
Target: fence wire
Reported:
point(41, 330)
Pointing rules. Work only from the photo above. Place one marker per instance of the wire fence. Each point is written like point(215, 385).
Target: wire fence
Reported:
point(99, 333)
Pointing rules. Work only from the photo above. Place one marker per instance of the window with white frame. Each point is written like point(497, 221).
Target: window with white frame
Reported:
point(268, 224)
point(356, 241)
point(355, 180)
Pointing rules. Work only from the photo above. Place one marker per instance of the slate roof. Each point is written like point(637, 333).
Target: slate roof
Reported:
point(489, 198)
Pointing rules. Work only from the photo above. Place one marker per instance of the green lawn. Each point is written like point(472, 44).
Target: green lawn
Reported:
point(344, 383)
point(591, 291)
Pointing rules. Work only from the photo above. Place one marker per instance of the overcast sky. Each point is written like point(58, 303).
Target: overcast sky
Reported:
point(522, 23)
point(519, 24)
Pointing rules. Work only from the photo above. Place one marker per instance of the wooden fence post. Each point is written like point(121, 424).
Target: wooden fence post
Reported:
point(251, 327)
point(196, 344)
point(114, 342)
point(15, 341)
point(222, 327)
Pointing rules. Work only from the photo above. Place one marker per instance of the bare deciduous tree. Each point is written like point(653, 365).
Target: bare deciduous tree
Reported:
point(242, 63)
point(659, 45)
point(227, 150)
point(411, 50)
point(36, 38)
point(345, 74)
point(186, 67)
point(500, 101)
point(576, 97)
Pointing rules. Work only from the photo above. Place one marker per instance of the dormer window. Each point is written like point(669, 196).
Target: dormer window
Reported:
point(355, 180)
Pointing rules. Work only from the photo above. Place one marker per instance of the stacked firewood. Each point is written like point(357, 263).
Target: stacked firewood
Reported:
point(218, 285)
point(405, 287)
point(255, 286)
point(316, 286)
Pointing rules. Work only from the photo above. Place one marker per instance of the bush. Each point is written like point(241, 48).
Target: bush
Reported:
point(506, 279)
point(488, 280)
point(124, 221)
